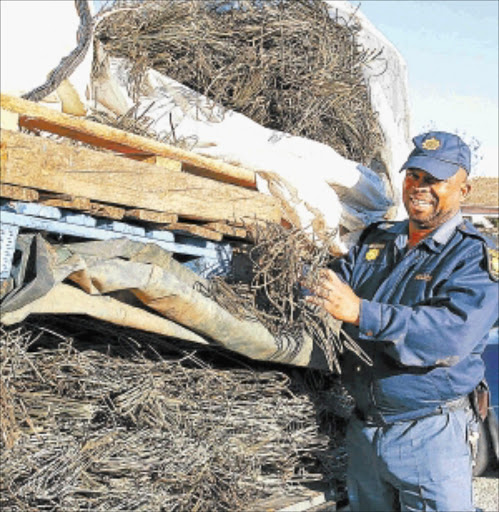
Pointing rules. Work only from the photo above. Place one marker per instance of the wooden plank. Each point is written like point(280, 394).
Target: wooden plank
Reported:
point(73, 203)
point(18, 193)
point(203, 172)
point(77, 203)
point(64, 201)
point(106, 210)
point(46, 194)
point(227, 229)
point(151, 216)
point(307, 500)
point(194, 229)
point(35, 116)
point(167, 163)
point(102, 177)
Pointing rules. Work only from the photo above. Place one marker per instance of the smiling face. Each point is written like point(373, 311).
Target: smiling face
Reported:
point(429, 201)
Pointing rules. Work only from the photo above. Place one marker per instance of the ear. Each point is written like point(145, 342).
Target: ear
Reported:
point(465, 190)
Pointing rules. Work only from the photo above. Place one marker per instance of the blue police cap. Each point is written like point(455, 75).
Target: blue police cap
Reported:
point(440, 154)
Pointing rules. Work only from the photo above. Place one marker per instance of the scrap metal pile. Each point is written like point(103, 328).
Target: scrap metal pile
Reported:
point(106, 418)
point(281, 264)
point(286, 64)
point(95, 416)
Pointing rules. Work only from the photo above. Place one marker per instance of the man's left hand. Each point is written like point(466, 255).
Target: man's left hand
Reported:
point(336, 297)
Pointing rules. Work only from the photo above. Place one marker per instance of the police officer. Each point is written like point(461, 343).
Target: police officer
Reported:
point(419, 296)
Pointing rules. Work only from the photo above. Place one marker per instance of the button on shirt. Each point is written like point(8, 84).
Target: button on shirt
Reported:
point(425, 314)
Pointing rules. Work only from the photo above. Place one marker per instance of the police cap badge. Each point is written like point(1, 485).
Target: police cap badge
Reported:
point(431, 144)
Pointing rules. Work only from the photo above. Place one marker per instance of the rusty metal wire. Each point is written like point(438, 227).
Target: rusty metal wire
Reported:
point(115, 419)
point(283, 261)
point(130, 122)
point(270, 292)
point(286, 64)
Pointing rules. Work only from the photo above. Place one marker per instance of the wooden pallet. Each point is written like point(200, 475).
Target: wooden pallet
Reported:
point(214, 231)
point(137, 179)
point(35, 117)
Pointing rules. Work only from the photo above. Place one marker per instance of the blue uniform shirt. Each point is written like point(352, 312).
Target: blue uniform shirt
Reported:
point(425, 314)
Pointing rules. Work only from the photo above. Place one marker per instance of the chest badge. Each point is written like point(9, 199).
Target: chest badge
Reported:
point(372, 254)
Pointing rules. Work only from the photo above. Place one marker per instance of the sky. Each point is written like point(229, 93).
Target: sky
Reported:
point(451, 52)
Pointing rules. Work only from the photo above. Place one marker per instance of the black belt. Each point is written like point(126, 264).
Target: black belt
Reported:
point(450, 406)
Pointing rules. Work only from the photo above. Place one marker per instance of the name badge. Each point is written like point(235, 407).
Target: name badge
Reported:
point(423, 277)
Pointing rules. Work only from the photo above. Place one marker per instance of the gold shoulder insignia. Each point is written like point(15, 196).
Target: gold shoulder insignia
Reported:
point(493, 257)
point(431, 144)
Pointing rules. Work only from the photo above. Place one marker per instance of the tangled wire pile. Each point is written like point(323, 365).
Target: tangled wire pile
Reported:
point(105, 421)
point(286, 64)
point(281, 263)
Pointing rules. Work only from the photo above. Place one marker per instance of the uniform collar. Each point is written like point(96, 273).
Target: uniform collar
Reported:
point(436, 240)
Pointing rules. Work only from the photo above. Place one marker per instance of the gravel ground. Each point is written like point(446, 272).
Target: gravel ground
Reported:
point(486, 491)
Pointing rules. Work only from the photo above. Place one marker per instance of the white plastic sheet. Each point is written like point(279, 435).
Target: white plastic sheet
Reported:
point(306, 174)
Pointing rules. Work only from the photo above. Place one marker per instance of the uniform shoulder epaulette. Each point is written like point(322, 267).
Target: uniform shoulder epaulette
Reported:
point(467, 228)
point(491, 251)
point(380, 226)
point(369, 230)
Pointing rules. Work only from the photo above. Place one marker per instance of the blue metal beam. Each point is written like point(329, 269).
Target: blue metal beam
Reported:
point(212, 258)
